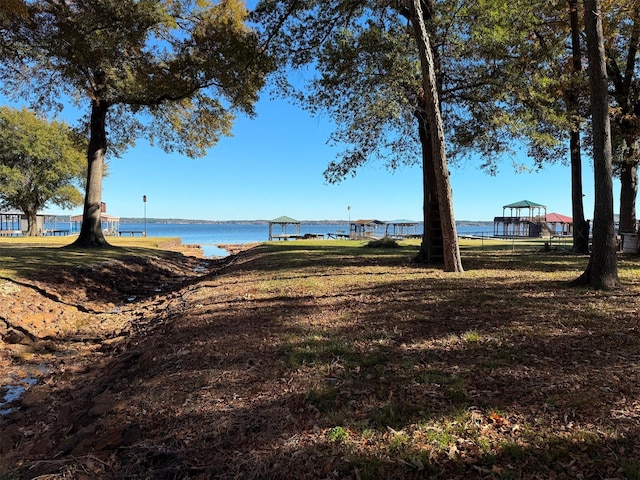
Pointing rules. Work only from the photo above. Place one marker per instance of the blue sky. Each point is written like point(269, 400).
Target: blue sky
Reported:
point(273, 166)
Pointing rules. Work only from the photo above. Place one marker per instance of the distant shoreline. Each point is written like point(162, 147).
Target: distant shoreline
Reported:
point(171, 221)
point(185, 221)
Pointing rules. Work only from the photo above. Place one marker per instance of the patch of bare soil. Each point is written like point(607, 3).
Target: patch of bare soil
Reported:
point(242, 368)
point(60, 330)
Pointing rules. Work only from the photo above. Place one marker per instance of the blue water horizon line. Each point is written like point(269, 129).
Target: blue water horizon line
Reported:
point(211, 235)
point(188, 221)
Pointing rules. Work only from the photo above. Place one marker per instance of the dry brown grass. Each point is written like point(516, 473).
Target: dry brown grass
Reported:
point(328, 360)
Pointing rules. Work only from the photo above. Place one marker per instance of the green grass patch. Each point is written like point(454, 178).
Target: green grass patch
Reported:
point(472, 336)
point(316, 349)
point(454, 387)
point(512, 451)
point(25, 257)
point(395, 415)
point(338, 434)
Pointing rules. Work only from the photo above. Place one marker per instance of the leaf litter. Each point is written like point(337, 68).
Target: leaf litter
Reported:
point(280, 363)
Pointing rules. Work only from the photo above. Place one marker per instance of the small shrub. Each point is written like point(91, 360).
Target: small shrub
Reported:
point(384, 242)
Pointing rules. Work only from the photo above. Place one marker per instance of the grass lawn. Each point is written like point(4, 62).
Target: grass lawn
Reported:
point(326, 359)
point(26, 256)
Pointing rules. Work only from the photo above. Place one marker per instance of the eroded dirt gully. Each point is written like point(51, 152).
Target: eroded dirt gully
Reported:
point(69, 340)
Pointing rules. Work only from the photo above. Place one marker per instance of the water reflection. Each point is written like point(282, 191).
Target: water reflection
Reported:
point(13, 393)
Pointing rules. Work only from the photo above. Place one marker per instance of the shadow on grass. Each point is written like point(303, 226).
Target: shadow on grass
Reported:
point(297, 255)
point(29, 261)
point(104, 276)
point(423, 377)
point(454, 408)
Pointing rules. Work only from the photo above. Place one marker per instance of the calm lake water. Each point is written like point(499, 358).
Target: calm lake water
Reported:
point(209, 235)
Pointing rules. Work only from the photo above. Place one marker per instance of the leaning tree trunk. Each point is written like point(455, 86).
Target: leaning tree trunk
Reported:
point(91, 231)
point(431, 247)
point(580, 225)
point(628, 194)
point(451, 251)
point(602, 270)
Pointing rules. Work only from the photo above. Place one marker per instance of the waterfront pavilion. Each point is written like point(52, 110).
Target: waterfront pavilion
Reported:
point(524, 220)
point(284, 223)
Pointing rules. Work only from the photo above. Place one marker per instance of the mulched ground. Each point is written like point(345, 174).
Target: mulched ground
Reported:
point(242, 368)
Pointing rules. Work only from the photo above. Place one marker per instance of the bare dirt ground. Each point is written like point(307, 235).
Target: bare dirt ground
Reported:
point(195, 368)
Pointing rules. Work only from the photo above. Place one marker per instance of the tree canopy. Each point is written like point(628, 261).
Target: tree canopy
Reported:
point(41, 163)
point(370, 79)
point(175, 72)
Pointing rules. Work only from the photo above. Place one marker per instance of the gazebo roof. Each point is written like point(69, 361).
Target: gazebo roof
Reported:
point(525, 204)
point(284, 219)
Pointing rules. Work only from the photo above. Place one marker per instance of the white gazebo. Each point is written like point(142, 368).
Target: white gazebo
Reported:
point(284, 222)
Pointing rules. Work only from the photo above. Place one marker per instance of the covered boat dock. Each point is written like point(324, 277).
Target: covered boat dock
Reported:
point(525, 219)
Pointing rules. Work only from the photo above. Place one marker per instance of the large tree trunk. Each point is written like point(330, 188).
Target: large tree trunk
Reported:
point(628, 195)
point(451, 251)
point(602, 270)
point(580, 225)
point(32, 223)
point(91, 231)
point(431, 247)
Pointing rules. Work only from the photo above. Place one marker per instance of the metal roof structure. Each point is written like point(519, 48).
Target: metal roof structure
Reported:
point(525, 219)
point(104, 217)
point(402, 222)
point(558, 218)
point(533, 209)
point(368, 222)
point(284, 220)
point(525, 204)
point(360, 229)
point(402, 228)
point(559, 224)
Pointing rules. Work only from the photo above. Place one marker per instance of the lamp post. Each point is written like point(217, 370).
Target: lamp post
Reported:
point(349, 213)
point(144, 201)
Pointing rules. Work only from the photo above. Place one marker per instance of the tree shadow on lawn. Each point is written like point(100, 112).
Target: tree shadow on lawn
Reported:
point(105, 276)
point(29, 261)
point(404, 379)
point(299, 255)
point(216, 394)
point(302, 255)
